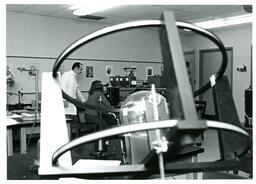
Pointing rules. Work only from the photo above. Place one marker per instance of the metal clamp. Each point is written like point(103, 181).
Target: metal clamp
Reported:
point(161, 145)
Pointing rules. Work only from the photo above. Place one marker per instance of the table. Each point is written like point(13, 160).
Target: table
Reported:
point(26, 128)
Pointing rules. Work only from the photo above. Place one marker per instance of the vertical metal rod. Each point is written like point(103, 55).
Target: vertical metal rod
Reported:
point(158, 134)
point(37, 106)
point(37, 93)
point(100, 146)
point(100, 105)
point(121, 143)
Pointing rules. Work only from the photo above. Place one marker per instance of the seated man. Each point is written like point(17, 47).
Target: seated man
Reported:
point(96, 97)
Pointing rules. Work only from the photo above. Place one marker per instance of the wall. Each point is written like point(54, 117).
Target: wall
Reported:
point(37, 40)
point(240, 39)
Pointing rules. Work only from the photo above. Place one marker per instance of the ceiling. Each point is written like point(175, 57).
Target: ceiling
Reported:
point(126, 13)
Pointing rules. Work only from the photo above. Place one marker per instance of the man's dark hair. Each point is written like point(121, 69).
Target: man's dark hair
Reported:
point(76, 64)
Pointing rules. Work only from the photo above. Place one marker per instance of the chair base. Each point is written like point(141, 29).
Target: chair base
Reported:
point(101, 150)
point(102, 154)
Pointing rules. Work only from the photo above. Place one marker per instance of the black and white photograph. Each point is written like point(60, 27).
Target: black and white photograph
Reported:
point(89, 71)
point(108, 71)
point(149, 71)
point(79, 102)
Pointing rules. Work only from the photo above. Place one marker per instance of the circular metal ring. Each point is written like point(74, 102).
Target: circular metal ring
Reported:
point(143, 127)
point(130, 25)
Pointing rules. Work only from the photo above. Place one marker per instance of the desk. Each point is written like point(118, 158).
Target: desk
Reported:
point(125, 92)
point(26, 128)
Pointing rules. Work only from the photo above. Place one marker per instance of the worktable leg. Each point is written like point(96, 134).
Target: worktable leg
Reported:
point(69, 131)
point(23, 144)
point(9, 142)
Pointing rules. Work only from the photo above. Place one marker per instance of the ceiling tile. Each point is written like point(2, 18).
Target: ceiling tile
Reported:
point(16, 7)
point(44, 9)
point(126, 13)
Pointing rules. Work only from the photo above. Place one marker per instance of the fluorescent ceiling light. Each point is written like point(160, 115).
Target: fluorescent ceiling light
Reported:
point(223, 22)
point(82, 9)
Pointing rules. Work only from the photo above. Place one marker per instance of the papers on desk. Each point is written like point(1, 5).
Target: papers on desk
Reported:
point(11, 119)
point(11, 122)
point(19, 111)
point(91, 162)
point(28, 116)
point(14, 116)
point(15, 119)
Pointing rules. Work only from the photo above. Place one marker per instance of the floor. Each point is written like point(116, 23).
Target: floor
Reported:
point(21, 166)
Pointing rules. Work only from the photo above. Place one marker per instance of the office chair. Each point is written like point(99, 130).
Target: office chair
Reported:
point(200, 108)
point(82, 126)
point(101, 146)
point(101, 151)
point(78, 120)
point(71, 114)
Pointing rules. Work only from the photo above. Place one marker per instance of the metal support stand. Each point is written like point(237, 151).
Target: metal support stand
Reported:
point(160, 146)
point(100, 145)
point(176, 78)
point(181, 133)
point(33, 72)
point(122, 144)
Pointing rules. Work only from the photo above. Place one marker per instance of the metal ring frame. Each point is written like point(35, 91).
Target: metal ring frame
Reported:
point(149, 125)
point(143, 127)
point(130, 25)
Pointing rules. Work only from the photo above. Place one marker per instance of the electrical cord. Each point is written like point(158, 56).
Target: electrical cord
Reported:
point(33, 128)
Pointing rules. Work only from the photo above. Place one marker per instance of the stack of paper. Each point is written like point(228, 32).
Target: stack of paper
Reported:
point(11, 122)
point(14, 116)
point(27, 116)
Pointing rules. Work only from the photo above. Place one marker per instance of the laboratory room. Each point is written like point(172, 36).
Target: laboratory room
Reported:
point(129, 92)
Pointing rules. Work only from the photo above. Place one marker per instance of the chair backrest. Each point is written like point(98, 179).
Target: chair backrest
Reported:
point(200, 107)
point(81, 116)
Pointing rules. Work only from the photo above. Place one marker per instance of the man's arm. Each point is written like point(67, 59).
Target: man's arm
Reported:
point(80, 95)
